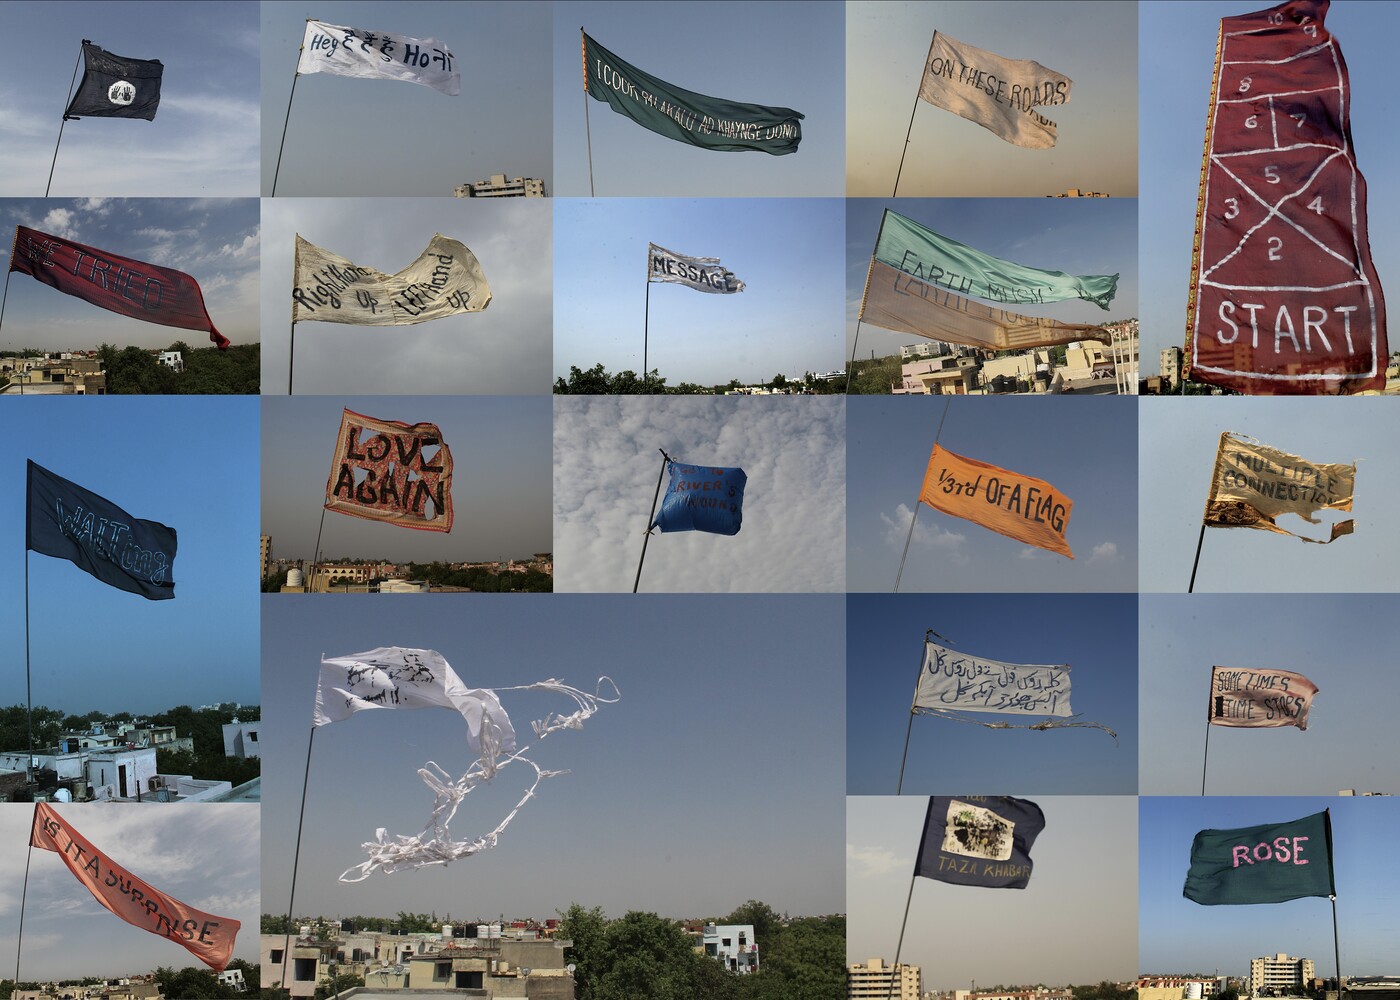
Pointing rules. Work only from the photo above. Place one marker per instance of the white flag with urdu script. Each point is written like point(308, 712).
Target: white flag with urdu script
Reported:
point(378, 55)
point(997, 93)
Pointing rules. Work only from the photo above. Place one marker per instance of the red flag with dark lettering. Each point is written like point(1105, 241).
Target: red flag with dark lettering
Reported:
point(1284, 297)
point(207, 937)
point(120, 284)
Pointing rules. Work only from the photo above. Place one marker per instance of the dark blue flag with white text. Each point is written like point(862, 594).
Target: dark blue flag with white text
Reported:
point(979, 840)
point(68, 522)
point(702, 499)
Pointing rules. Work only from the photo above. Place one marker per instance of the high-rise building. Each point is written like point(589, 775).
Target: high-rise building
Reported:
point(1280, 972)
point(871, 981)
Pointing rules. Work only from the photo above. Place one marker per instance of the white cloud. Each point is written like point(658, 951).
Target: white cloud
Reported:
point(873, 861)
point(1104, 552)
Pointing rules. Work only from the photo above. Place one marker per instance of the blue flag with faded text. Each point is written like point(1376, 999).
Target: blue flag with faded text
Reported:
point(702, 499)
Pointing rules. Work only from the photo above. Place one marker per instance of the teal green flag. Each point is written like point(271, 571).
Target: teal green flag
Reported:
point(937, 260)
point(683, 115)
point(1270, 863)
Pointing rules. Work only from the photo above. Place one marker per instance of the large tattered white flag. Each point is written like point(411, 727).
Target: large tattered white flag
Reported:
point(997, 93)
point(445, 280)
point(378, 55)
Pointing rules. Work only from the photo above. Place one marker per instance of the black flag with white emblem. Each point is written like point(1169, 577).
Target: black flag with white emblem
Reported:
point(115, 87)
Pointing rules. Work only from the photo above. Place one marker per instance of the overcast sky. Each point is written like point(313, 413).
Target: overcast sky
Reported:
point(205, 856)
point(216, 241)
point(1055, 931)
point(188, 462)
point(204, 138)
point(947, 155)
point(786, 321)
point(503, 350)
point(348, 136)
point(717, 778)
point(500, 480)
point(606, 464)
point(750, 53)
point(1085, 447)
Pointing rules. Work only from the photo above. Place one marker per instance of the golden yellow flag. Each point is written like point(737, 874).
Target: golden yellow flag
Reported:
point(1020, 507)
point(1253, 484)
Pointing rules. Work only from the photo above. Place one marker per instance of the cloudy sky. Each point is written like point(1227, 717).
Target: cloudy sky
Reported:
point(188, 462)
point(787, 320)
point(503, 350)
point(886, 45)
point(1053, 931)
point(751, 53)
point(204, 139)
point(605, 472)
point(714, 780)
point(217, 241)
point(206, 856)
point(1085, 447)
point(500, 484)
point(348, 136)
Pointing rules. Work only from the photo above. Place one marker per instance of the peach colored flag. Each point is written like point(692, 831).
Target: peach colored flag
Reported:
point(208, 937)
point(1020, 507)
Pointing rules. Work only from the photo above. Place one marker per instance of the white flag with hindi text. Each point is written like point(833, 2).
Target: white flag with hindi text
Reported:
point(378, 55)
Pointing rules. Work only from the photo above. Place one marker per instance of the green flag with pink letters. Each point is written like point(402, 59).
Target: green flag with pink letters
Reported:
point(1270, 863)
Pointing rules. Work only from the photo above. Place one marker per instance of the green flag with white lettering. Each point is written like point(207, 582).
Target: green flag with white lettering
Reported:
point(936, 260)
point(683, 115)
point(1269, 863)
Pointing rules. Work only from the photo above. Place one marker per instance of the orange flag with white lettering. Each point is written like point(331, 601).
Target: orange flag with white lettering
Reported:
point(208, 937)
point(1020, 507)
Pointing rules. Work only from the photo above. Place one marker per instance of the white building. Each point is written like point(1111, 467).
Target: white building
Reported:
point(241, 739)
point(1280, 972)
point(733, 945)
point(872, 981)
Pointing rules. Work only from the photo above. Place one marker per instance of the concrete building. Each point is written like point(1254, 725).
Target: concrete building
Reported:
point(499, 187)
point(241, 739)
point(1042, 994)
point(872, 981)
point(1280, 972)
point(265, 551)
point(173, 360)
point(733, 945)
point(947, 375)
point(1170, 364)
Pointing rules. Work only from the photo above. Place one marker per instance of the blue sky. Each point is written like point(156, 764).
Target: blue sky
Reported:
point(1178, 935)
point(1335, 640)
point(217, 241)
point(204, 139)
point(786, 321)
point(1178, 53)
point(347, 136)
point(668, 806)
point(752, 53)
point(886, 44)
point(500, 484)
point(190, 463)
point(1089, 456)
point(884, 652)
point(1075, 922)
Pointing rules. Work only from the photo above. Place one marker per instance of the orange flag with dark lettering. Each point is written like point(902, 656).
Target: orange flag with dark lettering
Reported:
point(1020, 507)
point(208, 937)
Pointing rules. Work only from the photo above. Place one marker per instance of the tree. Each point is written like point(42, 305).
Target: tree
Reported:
point(343, 982)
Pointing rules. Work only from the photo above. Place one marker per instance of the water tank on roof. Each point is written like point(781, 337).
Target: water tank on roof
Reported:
point(1193, 991)
point(294, 577)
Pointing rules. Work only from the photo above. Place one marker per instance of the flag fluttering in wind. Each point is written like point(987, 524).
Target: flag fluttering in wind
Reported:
point(68, 522)
point(208, 937)
point(118, 284)
point(979, 840)
point(378, 55)
point(1269, 863)
point(997, 93)
point(937, 260)
point(1253, 484)
point(445, 280)
point(399, 677)
point(382, 471)
point(1284, 297)
point(952, 680)
point(702, 499)
point(1258, 699)
point(1020, 507)
point(683, 115)
point(704, 274)
point(115, 87)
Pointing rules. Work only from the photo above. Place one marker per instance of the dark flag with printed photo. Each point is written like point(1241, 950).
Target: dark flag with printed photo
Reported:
point(979, 840)
point(115, 87)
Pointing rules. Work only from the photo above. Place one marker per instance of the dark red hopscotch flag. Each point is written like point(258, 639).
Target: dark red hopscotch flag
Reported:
point(120, 284)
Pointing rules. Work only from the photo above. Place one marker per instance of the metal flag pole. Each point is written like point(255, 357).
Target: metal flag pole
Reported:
point(587, 124)
point(910, 728)
point(316, 561)
point(894, 970)
point(665, 461)
point(646, 332)
point(24, 891)
point(301, 817)
point(1206, 755)
point(65, 115)
point(851, 369)
point(1190, 588)
point(912, 112)
point(913, 520)
point(291, 357)
point(288, 118)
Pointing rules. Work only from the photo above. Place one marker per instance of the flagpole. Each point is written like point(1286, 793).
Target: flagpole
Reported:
point(912, 112)
point(1197, 561)
point(316, 558)
point(587, 125)
point(1336, 947)
point(288, 118)
point(665, 461)
point(850, 374)
point(1205, 756)
point(286, 941)
point(900, 947)
point(646, 330)
point(25, 891)
point(64, 121)
point(291, 357)
point(913, 520)
point(910, 728)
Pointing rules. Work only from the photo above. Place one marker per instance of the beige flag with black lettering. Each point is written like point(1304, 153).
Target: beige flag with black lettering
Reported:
point(1253, 484)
